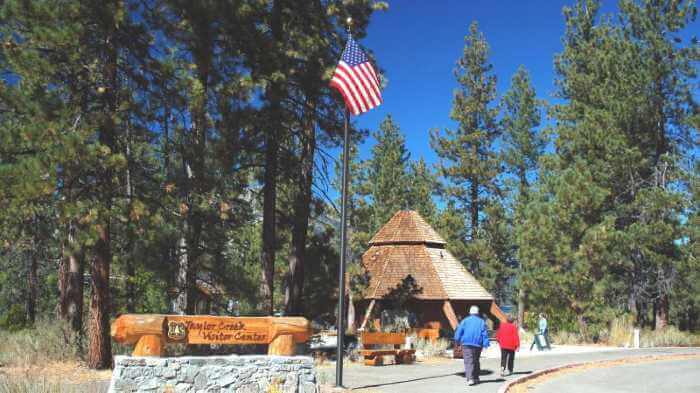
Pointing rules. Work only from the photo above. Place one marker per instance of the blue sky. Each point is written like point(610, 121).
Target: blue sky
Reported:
point(417, 44)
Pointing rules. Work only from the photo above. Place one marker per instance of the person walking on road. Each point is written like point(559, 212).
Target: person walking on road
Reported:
point(473, 336)
point(543, 331)
point(509, 341)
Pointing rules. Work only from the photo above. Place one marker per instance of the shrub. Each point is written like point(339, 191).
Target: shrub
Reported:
point(14, 319)
point(431, 348)
point(670, 336)
point(622, 331)
point(568, 338)
point(46, 342)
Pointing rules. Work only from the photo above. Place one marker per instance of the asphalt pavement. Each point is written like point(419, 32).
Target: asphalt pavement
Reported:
point(448, 377)
point(673, 376)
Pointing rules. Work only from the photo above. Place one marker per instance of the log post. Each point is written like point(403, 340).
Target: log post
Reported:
point(149, 345)
point(367, 314)
point(282, 345)
point(450, 314)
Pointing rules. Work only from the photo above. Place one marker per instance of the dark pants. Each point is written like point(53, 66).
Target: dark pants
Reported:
point(507, 359)
point(472, 368)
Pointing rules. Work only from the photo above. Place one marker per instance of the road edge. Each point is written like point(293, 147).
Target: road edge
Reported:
point(518, 381)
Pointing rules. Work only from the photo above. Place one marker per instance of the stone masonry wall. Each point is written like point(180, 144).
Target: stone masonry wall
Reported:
point(214, 374)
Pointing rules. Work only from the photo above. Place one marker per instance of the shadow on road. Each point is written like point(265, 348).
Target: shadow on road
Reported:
point(521, 372)
point(407, 381)
point(481, 372)
point(499, 380)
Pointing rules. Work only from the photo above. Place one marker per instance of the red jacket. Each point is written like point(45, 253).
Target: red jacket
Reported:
point(507, 336)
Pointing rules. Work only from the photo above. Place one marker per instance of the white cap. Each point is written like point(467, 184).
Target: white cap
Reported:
point(473, 310)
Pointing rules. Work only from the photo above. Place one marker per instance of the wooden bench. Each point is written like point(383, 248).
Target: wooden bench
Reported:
point(150, 332)
point(374, 356)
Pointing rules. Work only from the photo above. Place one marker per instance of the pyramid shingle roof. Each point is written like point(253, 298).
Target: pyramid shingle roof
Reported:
point(407, 245)
point(406, 227)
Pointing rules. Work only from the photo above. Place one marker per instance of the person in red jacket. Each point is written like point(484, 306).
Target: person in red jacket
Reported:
point(509, 341)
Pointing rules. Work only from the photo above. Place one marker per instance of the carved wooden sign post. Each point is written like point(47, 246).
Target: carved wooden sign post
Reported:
point(151, 332)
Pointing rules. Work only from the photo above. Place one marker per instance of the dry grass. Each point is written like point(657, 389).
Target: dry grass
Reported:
point(568, 338)
point(621, 334)
point(47, 342)
point(44, 359)
point(668, 337)
point(8, 385)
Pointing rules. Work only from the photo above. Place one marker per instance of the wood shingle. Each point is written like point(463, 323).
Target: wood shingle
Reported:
point(407, 245)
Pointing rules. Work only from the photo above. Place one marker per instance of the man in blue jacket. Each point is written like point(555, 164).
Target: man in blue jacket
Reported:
point(473, 336)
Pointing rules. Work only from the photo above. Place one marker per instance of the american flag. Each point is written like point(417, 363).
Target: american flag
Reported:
point(356, 80)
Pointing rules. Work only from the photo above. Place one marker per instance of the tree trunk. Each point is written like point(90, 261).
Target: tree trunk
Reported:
point(99, 354)
point(181, 282)
point(32, 286)
point(522, 299)
point(129, 260)
point(71, 283)
point(100, 349)
point(661, 312)
point(474, 208)
point(269, 234)
point(300, 226)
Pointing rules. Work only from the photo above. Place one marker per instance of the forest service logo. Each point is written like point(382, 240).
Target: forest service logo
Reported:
point(177, 330)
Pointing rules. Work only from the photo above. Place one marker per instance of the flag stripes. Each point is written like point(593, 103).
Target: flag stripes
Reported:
point(356, 80)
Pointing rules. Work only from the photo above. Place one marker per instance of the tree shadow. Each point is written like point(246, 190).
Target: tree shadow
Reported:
point(405, 381)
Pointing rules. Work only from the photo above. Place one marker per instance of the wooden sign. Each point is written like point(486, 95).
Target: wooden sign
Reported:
point(233, 330)
point(151, 332)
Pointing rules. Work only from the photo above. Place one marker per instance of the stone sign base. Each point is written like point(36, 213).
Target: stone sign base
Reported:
point(214, 374)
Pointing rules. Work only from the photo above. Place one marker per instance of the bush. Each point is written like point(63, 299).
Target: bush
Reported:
point(14, 319)
point(567, 338)
point(46, 342)
point(670, 336)
point(430, 348)
point(622, 331)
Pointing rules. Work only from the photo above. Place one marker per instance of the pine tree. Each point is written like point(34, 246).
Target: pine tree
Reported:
point(387, 184)
point(614, 240)
point(421, 188)
point(468, 159)
point(317, 111)
point(523, 146)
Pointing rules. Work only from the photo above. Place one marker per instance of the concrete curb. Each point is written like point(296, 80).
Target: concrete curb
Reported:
point(506, 386)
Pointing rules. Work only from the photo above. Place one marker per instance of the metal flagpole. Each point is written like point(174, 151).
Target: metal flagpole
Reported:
point(343, 252)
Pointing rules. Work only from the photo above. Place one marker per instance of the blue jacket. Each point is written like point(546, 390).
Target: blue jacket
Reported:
point(472, 332)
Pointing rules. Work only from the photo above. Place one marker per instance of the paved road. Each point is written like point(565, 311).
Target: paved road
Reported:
point(676, 376)
point(448, 377)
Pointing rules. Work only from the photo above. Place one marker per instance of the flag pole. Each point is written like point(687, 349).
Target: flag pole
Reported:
point(343, 252)
point(343, 245)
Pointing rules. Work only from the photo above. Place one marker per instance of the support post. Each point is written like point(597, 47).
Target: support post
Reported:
point(282, 345)
point(149, 345)
point(367, 314)
point(343, 252)
point(450, 314)
point(497, 312)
